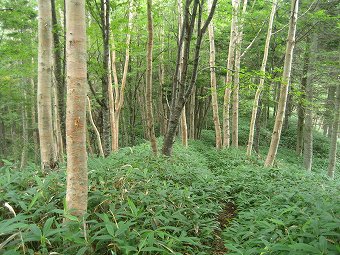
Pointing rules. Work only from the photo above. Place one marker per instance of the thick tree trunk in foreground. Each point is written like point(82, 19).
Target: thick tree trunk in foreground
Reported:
point(334, 138)
point(261, 85)
point(44, 95)
point(214, 97)
point(149, 111)
point(229, 79)
point(284, 86)
point(77, 182)
point(330, 104)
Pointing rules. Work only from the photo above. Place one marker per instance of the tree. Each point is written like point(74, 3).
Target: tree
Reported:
point(44, 94)
point(236, 85)
point(77, 186)
point(181, 89)
point(261, 84)
point(284, 85)
point(308, 126)
point(149, 112)
point(334, 138)
point(228, 78)
point(214, 98)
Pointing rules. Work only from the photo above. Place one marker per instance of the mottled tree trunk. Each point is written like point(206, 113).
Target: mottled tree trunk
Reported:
point(77, 180)
point(229, 79)
point(284, 86)
point(334, 138)
point(149, 111)
point(214, 97)
point(239, 35)
point(105, 26)
point(301, 102)
point(99, 140)
point(261, 85)
point(25, 142)
point(44, 95)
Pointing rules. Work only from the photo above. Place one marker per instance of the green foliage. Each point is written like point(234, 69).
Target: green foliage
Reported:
point(280, 211)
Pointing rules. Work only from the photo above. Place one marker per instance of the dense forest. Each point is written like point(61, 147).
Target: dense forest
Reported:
point(169, 127)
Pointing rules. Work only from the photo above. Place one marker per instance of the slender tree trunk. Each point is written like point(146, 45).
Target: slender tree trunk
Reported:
point(334, 138)
point(149, 111)
point(183, 122)
point(261, 85)
point(284, 86)
point(301, 103)
point(23, 162)
point(120, 91)
point(59, 79)
point(229, 79)
point(181, 90)
point(59, 146)
point(330, 104)
point(239, 36)
point(192, 119)
point(105, 25)
point(214, 97)
point(99, 140)
point(44, 99)
point(77, 180)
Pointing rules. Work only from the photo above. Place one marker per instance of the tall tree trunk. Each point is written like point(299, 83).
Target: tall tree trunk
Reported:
point(284, 86)
point(119, 91)
point(181, 90)
point(330, 104)
point(149, 111)
point(239, 35)
point(308, 127)
point(44, 99)
point(229, 79)
point(24, 153)
point(99, 141)
point(334, 138)
point(59, 79)
point(183, 122)
point(301, 103)
point(214, 97)
point(59, 146)
point(261, 84)
point(77, 180)
point(105, 26)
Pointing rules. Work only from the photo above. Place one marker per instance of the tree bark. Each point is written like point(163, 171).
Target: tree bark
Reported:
point(57, 68)
point(149, 111)
point(119, 92)
point(182, 89)
point(214, 97)
point(77, 180)
point(228, 78)
point(284, 86)
point(239, 36)
point(301, 103)
point(23, 162)
point(334, 138)
point(261, 84)
point(44, 95)
point(99, 140)
point(105, 26)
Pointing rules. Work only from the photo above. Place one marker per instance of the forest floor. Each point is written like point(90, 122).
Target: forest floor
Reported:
point(200, 201)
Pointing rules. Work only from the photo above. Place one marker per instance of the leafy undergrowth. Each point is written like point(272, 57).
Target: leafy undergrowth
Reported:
point(281, 210)
point(139, 204)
